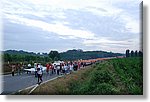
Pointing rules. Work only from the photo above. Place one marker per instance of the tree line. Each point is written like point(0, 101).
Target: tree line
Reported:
point(70, 55)
point(134, 53)
point(25, 58)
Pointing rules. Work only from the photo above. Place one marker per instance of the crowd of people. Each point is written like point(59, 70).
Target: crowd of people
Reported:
point(58, 68)
point(62, 68)
point(19, 68)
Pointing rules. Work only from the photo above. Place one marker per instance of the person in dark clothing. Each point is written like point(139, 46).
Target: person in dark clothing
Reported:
point(13, 70)
point(75, 67)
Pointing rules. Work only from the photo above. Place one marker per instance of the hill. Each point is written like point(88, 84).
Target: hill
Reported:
point(80, 54)
point(21, 52)
point(14, 55)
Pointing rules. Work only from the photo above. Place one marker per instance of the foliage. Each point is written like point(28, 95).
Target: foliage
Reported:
point(117, 76)
point(54, 55)
point(22, 56)
point(130, 71)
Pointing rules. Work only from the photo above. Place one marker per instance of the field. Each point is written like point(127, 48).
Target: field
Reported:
point(112, 77)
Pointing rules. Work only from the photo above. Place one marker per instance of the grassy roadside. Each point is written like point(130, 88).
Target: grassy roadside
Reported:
point(113, 77)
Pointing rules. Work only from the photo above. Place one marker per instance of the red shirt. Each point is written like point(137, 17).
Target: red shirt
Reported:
point(50, 66)
point(47, 66)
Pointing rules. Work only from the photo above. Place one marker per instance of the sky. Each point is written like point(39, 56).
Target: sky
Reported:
point(45, 25)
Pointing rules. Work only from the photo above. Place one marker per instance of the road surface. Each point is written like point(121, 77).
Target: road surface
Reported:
point(12, 84)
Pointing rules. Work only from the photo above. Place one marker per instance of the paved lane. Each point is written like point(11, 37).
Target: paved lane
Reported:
point(15, 83)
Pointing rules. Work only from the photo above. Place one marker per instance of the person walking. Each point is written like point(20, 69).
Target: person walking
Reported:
point(79, 65)
point(71, 68)
point(47, 68)
point(58, 69)
point(18, 69)
point(75, 67)
point(13, 70)
point(29, 66)
point(39, 73)
point(21, 68)
point(50, 69)
point(65, 68)
point(55, 67)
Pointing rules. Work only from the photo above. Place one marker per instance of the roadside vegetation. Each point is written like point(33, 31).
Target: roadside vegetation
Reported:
point(113, 77)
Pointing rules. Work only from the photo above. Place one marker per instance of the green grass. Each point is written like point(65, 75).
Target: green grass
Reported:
point(130, 71)
point(117, 76)
point(113, 77)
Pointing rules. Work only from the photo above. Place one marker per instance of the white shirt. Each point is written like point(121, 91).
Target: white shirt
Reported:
point(71, 67)
point(40, 71)
point(58, 67)
point(65, 67)
point(55, 66)
point(39, 66)
point(29, 65)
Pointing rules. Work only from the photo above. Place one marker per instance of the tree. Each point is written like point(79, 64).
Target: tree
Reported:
point(56, 59)
point(136, 53)
point(47, 59)
point(7, 57)
point(54, 55)
point(127, 53)
point(140, 54)
point(132, 53)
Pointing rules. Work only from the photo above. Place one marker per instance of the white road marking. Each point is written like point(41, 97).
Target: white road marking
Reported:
point(33, 89)
point(44, 82)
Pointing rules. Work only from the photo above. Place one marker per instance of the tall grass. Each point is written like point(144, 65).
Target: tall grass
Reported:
point(130, 70)
point(117, 76)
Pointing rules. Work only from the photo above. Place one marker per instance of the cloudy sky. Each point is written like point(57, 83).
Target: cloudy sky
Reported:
point(44, 25)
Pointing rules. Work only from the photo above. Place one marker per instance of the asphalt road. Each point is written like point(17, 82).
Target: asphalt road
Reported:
point(12, 84)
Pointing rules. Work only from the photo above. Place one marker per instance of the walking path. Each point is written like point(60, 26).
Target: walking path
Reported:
point(12, 84)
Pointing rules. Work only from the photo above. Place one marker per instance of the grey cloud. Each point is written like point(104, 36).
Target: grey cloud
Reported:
point(102, 26)
point(18, 36)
